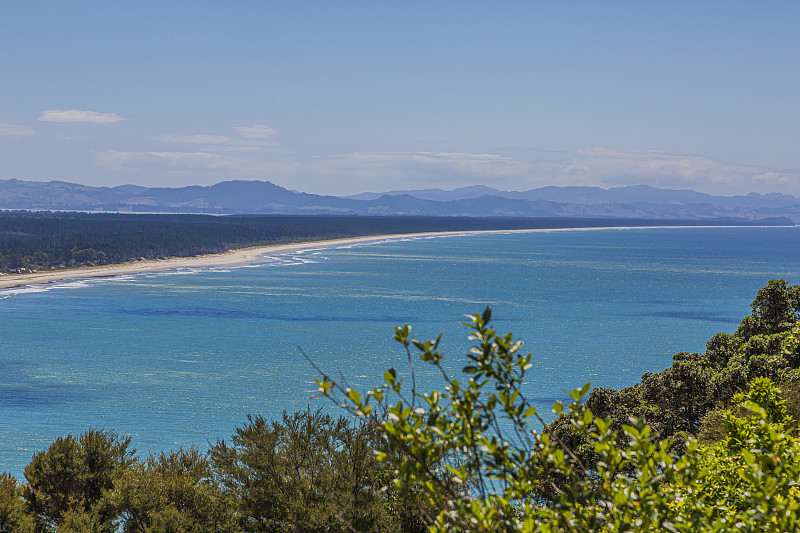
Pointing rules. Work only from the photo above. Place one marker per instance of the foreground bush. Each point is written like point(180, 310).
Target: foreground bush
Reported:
point(310, 472)
point(68, 483)
point(503, 476)
point(690, 395)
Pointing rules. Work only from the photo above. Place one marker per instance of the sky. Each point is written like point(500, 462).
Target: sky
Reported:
point(347, 97)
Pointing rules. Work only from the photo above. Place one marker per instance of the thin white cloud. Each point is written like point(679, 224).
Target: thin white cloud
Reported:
point(422, 166)
point(193, 139)
point(249, 139)
point(72, 137)
point(14, 130)
point(179, 161)
point(610, 168)
point(257, 131)
point(339, 174)
point(247, 146)
point(75, 115)
point(383, 171)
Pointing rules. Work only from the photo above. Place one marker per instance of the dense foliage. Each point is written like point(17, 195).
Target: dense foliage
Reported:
point(690, 396)
point(45, 240)
point(310, 472)
point(472, 448)
point(473, 456)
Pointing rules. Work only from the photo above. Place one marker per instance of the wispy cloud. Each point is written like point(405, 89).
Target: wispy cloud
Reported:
point(193, 139)
point(607, 167)
point(248, 139)
point(382, 171)
point(75, 115)
point(72, 137)
point(338, 174)
point(424, 165)
point(257, 131)
point(14, 130)
point(178, 161)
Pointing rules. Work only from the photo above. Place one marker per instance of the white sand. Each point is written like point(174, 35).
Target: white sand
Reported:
point(245, 255)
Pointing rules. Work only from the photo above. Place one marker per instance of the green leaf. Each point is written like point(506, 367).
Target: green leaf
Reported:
point(354, 396)
point(487, 315)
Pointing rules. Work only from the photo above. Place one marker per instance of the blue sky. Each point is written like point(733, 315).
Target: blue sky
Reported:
point(345, 97)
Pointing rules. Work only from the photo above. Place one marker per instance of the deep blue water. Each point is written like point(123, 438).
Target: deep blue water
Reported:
point(180, 358)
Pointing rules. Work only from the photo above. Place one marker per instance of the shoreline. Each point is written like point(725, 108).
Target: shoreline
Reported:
point(255, 254)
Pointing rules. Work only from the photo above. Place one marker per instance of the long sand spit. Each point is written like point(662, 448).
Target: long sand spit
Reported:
point(243, 256)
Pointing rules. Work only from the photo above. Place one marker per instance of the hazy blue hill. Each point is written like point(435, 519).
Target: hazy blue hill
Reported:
point(224, 197)
point(438, 195)
point(635, 194)
point(491, 205)
point(562, 194)
point(263, 197)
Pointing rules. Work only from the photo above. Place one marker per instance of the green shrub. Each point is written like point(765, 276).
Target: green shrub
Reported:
point(471, 448)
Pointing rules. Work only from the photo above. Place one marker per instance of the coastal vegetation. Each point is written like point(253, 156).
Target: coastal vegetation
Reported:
point(34, 241)
point(709, 444)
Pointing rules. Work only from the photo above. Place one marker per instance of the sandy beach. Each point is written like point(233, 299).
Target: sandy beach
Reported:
point(244, 256)
point(241, 256)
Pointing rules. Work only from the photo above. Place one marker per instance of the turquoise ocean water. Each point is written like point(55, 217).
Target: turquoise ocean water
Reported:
point(180, 358)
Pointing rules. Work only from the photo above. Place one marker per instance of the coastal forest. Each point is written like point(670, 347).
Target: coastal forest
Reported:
point(711, 443)
point(34, 241)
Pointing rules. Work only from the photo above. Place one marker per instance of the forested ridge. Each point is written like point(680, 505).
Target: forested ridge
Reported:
point(709, 444)
point(32, 241)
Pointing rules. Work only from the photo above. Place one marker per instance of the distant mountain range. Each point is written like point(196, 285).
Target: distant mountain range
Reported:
point(262, 197)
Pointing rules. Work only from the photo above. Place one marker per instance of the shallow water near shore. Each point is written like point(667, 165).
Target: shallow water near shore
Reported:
point(180, 358)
